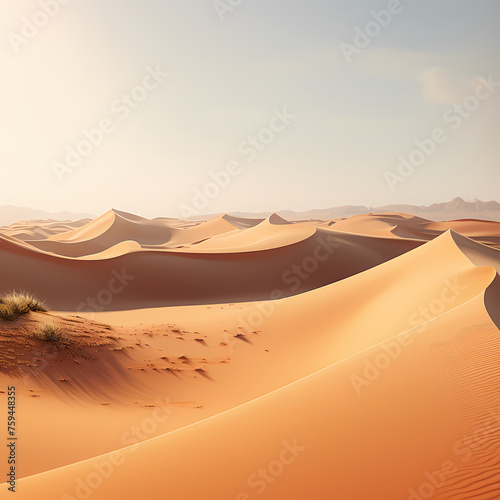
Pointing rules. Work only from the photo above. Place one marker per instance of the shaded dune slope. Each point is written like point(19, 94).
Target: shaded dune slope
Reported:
point(157, 278)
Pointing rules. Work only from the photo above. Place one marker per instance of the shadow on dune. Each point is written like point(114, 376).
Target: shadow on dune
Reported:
point(492, 301)
point(83, 374)
point(150, 278)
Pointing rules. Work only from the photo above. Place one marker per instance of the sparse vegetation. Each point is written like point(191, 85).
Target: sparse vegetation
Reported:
point(49, 332)
point(15, 304)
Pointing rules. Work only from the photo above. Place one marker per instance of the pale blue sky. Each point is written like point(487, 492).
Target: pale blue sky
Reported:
point(352, 120)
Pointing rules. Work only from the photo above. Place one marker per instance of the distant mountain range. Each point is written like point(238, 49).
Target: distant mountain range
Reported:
point(10, 214)
point(457, 208)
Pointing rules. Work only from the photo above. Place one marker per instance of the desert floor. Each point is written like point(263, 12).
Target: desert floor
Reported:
point(350, 359)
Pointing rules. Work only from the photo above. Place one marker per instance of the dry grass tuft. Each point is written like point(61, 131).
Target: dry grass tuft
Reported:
point(15, 304)
point(49, 332)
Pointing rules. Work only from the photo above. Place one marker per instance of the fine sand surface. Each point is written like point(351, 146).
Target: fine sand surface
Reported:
point(236, 358)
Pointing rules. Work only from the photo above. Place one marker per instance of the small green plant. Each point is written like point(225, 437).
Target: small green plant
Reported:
point(15, 304)
point(49, 332)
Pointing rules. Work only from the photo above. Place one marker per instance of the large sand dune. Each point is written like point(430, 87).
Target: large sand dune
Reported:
point(347, 359)
point(217, 262)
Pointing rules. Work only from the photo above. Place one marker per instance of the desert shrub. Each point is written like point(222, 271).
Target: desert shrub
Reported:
point(15, 304)
point(50, 332)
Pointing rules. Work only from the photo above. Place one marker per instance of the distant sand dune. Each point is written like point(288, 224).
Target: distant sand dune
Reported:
point(168, 277)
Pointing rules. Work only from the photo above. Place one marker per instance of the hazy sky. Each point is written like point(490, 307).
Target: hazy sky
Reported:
point(302, 103)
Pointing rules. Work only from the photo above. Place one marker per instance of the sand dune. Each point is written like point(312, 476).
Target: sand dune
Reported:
point(272, 232)
point(331, 444)
point(113, 227)
point(241, 222)
point(35, 230)
point(380, 224)
point(413, 227)
point(362, 381)
point(284, 259)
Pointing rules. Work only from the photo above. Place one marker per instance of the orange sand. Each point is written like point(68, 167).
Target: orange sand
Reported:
point(240, 359)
